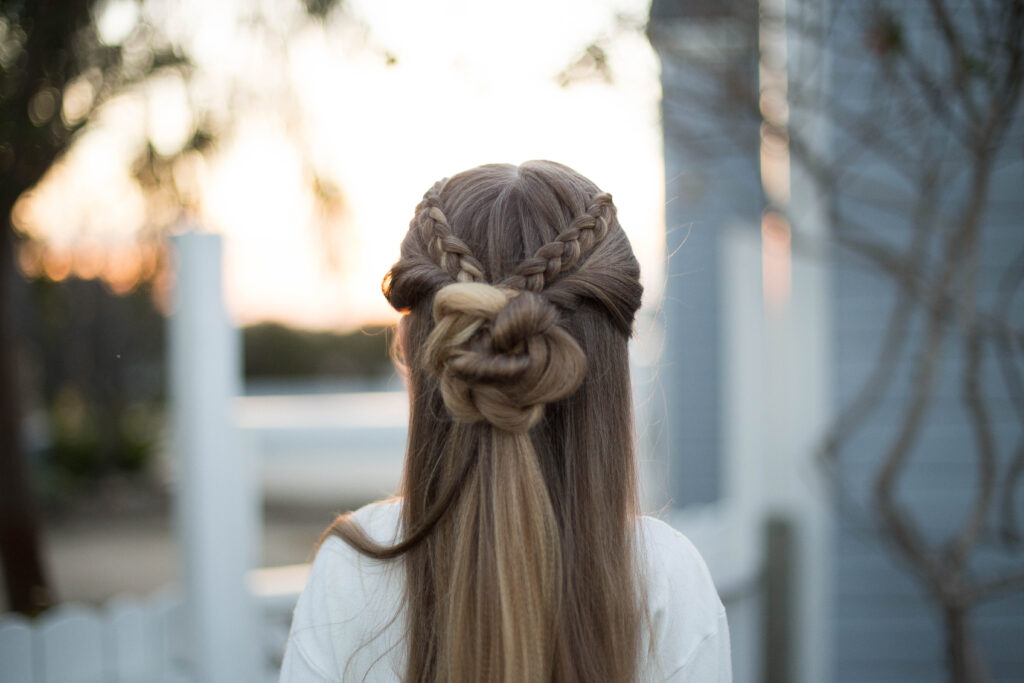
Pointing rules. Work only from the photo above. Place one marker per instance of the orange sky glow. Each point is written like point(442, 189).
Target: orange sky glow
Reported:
point(464, 83)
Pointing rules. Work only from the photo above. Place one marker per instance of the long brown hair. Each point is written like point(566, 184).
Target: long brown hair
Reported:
point(519, 487)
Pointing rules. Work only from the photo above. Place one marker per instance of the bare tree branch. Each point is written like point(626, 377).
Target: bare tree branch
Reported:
point(985, 448)
point(1009, 527)
point(1010, 282)
point(902, 96)
point(994, 587)
point(958, 57)
point(883, 369)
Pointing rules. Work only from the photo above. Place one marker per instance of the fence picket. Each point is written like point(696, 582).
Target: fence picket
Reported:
point(16, 665)
point(71, 646)
point(136, 640)
point(171, 656)
point(132, 634)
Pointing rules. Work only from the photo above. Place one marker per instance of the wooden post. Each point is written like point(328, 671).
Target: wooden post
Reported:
point(213, 484)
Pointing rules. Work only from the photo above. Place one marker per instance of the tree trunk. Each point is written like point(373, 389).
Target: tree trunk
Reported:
point(25, 579)
point(964, 665)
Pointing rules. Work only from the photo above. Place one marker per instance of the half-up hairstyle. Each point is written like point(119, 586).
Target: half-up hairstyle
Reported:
point(519, 486)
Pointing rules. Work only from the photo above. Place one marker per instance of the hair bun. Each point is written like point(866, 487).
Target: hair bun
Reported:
point(500, 354)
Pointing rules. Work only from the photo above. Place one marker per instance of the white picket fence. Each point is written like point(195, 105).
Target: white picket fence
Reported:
point(137, 640)
point(127, 641)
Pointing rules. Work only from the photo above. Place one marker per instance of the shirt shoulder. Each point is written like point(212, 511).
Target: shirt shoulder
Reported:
point(689, 635)
point(381, 520)
point(348, 618)
point(670, 557)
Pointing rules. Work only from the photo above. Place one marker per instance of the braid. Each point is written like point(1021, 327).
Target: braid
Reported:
point(564, 253)
point(447, 251)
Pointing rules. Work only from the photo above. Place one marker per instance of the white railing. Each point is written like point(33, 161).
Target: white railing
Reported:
point(327, 449)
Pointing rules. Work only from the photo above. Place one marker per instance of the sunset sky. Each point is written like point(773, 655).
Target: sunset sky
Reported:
point(380, 101)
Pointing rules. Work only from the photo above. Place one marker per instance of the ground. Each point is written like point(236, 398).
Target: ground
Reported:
point(119, 541)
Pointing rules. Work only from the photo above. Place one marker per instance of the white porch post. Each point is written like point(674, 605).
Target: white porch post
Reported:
point(800, 339)
point(742, 437)
point(213, 485)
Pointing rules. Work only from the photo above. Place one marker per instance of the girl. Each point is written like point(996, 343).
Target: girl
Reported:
point(515, 552)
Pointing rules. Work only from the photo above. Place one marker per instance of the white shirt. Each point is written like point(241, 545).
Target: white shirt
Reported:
point(348, 624)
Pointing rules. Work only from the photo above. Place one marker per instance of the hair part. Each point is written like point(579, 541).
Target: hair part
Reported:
point(519, 487)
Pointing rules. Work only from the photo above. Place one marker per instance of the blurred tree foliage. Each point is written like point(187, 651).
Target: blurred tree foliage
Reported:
point(56, 71)
point(102, 392)
point(45, 45)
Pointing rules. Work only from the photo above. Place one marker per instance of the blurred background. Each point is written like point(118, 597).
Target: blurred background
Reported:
point(202, 199)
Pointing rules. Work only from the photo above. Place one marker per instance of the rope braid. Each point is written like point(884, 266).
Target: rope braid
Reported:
point(448, 251)
point(564, 252)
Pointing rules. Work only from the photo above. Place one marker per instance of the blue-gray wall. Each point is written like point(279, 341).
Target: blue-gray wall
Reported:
point(887, 627)
point(712, 183)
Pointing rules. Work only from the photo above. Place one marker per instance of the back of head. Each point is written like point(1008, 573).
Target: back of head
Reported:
point(519, 485)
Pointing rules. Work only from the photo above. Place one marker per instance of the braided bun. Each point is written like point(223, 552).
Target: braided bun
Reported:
point(499, 355)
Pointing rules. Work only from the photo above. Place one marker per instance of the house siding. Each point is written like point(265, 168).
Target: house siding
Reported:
point(887, 628)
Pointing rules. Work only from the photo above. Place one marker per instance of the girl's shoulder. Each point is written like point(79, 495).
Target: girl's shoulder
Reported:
point(344, 571)
point(675, 570)
point(689, 628)
point(667, 551)
point(345, 619)
point(380, 520)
